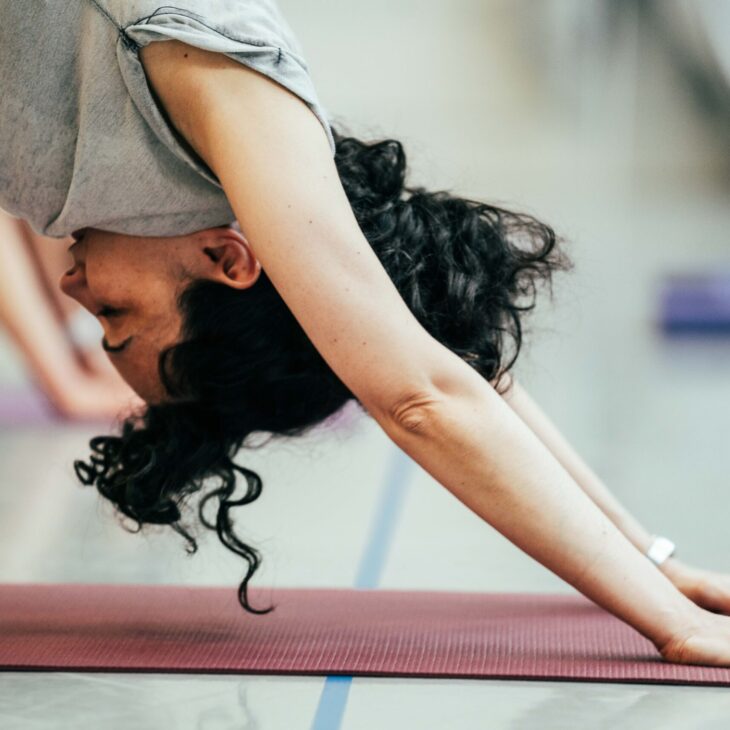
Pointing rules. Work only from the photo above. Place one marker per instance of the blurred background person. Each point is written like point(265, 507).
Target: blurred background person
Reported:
point(58, 341)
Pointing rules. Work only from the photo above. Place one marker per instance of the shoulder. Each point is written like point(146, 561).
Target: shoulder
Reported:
point(183, 75)
point(203, 91)
point(161, 57)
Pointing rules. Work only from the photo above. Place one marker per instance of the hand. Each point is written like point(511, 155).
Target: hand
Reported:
point(708, 589)
point(705, 641)
point(93, 398)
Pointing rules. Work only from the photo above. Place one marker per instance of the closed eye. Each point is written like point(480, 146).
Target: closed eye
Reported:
point(115, 348)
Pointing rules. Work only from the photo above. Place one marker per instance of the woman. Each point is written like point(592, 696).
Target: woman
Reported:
point(338, 283)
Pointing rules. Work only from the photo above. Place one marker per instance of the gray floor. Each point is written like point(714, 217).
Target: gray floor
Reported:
point(618, 159)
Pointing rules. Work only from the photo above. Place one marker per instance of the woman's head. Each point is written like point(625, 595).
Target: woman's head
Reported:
point(234, 361)
point(132, 284)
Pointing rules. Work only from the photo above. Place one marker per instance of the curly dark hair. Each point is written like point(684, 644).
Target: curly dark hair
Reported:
point(467, 270)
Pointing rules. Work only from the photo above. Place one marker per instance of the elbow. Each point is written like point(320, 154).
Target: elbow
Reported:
point(423, 407)
point(413, 413)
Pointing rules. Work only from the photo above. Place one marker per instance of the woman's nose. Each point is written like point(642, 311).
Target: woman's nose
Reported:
point(73, 284)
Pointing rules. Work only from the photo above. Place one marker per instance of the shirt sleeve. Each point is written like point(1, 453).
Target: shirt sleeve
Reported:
point(252, 32)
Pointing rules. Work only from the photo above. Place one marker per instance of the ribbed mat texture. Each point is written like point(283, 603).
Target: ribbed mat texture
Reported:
point(328, 631)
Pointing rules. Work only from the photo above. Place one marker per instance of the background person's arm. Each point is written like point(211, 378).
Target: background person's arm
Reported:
point(272, 158)
point(51, 258)
point(33, 324)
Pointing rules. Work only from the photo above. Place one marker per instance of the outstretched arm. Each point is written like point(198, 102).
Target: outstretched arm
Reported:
point(530, 412)
point(708, 589)
point(273, 161)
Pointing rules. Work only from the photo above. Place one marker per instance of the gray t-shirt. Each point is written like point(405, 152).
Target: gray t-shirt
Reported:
point(83, 142)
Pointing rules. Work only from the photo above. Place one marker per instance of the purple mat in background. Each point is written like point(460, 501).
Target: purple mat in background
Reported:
point(696, 304)
point(25, 406)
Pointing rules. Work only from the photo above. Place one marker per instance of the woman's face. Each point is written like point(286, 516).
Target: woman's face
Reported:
point(131, 284)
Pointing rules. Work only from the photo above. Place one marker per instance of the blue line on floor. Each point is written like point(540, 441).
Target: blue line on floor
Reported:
point(332, 703)
point(382, 531)
point(333, 700)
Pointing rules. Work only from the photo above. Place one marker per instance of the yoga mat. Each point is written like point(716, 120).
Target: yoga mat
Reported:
point(328, 631)
point(696, 304)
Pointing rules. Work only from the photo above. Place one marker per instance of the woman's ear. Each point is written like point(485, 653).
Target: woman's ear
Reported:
point(232, 261)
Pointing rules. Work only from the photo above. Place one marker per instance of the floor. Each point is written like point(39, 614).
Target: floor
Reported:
point(617, 158)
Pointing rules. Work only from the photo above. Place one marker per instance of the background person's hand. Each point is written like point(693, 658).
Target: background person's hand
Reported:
point(93, 397)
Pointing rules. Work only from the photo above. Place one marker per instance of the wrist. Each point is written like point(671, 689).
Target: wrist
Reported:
point(682, 613)
point(671, 567)
point(64, 385)
point(679, 573)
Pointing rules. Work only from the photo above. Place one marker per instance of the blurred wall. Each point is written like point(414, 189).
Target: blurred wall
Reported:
point(587, 114)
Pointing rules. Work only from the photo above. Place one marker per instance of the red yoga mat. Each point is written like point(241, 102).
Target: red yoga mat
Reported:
point(328, 631)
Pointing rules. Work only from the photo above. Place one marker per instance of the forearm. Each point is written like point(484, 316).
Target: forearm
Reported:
point(476, 446)
point(51, 259)
point(531, 414)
